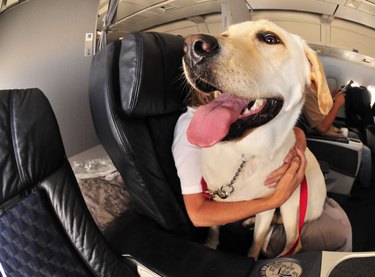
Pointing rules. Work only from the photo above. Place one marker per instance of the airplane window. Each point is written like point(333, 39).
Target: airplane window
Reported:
point(372, 92)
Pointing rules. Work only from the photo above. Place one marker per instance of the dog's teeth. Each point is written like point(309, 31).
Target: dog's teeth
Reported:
point(253, 106)
point(258, 103)
point(250, 105)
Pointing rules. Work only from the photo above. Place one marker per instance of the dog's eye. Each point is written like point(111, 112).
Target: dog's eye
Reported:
point(269, 38)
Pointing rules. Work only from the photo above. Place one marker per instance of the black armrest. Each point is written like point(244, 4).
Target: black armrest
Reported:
point(370, 135)
point(342, 157)
point(328, 138)
point(169, 255)
point(339, 122)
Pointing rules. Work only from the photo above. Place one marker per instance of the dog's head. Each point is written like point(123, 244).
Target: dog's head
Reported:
point(260, 71)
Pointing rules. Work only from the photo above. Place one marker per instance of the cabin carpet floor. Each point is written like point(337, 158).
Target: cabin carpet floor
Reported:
point(360, 208)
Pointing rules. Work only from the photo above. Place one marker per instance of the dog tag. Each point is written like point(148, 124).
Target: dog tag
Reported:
point(225, 191)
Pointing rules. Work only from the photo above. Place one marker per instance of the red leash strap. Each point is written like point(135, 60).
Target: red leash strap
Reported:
point(302, 213)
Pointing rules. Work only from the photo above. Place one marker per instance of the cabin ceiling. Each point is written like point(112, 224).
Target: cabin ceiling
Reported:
point(135, 15)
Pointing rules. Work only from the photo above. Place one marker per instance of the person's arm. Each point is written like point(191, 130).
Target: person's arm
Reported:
point(327, 122)
point(203, 212)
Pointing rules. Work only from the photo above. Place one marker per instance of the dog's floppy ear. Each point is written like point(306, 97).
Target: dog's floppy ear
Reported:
point(319, 83)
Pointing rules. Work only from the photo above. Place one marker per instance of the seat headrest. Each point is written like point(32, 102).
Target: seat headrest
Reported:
point(30, 143)
point(150, 73)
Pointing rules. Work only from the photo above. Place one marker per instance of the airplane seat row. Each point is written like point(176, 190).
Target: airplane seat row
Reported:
point(46, 228)
point(358, 120)
point(358, 115)
point(136, 96)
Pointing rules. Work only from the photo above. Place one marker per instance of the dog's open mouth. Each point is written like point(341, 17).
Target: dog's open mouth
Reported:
point(256, 113)
point(229, 117)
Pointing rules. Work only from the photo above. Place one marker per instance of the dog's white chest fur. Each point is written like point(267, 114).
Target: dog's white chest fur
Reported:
point(222, 161)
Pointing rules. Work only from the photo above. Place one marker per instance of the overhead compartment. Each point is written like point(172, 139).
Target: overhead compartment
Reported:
point(348, 35)
point(321, 7)
point(135, 15)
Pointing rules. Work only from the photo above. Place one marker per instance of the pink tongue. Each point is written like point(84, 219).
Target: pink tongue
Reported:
point(211, 122)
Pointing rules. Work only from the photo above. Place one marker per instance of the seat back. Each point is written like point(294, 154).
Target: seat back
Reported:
point(342, 155)
point(45, 227)
point(136, 97)
point(358, 111)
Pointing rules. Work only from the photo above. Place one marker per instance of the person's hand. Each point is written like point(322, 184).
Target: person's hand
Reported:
point(335, 92)
point(340, 99)
point(291, 179)
point(275, 176)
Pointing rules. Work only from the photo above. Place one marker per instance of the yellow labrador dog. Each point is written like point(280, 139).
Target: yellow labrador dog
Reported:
point(260, 72)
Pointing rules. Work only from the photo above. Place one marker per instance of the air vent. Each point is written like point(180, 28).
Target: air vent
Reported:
point(165, 8)
point(353, 3)
point(366, 60)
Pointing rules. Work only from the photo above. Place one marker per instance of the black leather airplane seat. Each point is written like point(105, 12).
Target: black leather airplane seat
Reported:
point(137, 94)
point(341, 154)
point(358, 113)
point(45, 226)
point(136, 97)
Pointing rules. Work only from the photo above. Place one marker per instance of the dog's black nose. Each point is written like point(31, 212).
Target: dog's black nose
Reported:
point(200, 46)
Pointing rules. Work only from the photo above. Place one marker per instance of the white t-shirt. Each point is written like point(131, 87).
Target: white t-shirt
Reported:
point(187, 156)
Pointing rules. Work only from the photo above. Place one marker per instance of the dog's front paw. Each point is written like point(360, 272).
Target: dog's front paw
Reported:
point(211, 244)
point(249, 223)
point(213, 237)
point(253, 253)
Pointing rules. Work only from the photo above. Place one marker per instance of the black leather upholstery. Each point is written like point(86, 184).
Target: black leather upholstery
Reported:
point(150, 72)
point(330, 150)
point(45, 227)
point(358, 112)
point(136, 97)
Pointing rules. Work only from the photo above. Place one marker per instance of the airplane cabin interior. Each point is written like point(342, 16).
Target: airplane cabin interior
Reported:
point(90, 94)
